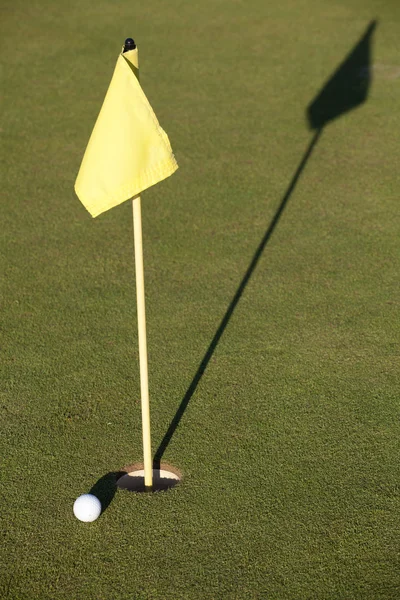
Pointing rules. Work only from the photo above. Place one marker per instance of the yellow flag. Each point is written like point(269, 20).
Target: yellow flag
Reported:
point(128, 151)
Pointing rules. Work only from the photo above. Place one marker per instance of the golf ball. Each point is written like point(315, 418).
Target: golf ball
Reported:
point(87, 508)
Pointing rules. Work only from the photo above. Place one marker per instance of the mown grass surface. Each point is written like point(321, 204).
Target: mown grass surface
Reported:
point(289, 443)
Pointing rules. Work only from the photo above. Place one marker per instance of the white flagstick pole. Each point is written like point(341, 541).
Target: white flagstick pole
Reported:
point(141, 316)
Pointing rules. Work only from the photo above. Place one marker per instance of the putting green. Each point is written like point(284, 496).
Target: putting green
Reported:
point(271, 270)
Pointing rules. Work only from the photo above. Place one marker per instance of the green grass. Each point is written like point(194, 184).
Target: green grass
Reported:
point(289, 445)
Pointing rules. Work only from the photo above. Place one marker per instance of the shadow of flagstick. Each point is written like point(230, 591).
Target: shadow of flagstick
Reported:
point(225, 320)
point(347, 88)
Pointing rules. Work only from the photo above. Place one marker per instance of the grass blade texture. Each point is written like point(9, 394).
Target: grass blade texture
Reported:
point(272, 296)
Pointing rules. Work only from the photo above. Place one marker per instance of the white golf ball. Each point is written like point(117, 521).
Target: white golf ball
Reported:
point(87, 508)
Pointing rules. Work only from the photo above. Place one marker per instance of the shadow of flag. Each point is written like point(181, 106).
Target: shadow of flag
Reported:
point(348, 87)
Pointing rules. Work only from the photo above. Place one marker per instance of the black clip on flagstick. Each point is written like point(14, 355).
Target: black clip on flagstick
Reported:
point(129, 45)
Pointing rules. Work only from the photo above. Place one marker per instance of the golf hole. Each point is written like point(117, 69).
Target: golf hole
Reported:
point(131, 478)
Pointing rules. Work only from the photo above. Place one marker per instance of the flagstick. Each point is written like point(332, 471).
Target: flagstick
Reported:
point(141, 316)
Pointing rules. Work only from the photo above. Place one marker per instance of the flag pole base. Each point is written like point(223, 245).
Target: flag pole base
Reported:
point(131, 478)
